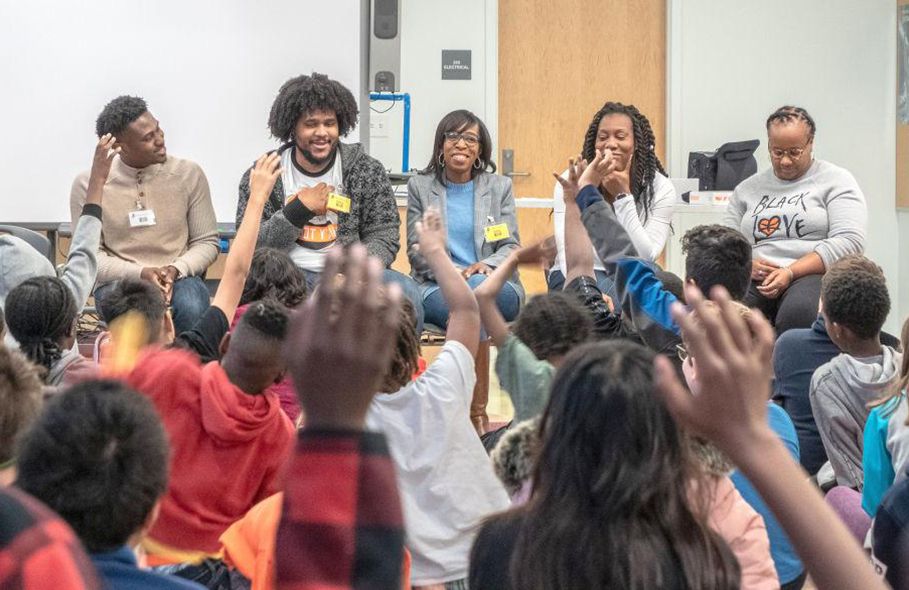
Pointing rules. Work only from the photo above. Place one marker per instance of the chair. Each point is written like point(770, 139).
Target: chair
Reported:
point(32, 238)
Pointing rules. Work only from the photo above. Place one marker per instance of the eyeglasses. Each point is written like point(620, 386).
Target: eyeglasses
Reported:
point(469, 138)
point(682, 352)
point(794, 154)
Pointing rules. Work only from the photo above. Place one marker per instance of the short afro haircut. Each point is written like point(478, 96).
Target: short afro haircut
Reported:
point(305, 94)
point(717, 255)
point(133, 294)
point(854, 292)
point(97, 456)
point(118, 114)
point(552, 324)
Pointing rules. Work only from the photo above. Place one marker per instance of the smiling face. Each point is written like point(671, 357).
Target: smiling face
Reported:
point(790, 145)
point(142, 144)
point(460, 149)
point(316, 135)
point(616, 134)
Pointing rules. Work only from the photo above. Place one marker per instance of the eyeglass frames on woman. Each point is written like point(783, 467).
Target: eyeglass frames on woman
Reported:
point(795, 154)
point(454, 137)
point(682, 352)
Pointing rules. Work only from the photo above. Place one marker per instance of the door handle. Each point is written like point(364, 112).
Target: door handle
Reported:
point(508, 164)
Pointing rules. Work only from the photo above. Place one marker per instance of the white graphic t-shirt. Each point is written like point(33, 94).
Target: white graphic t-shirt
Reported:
point(320, 232)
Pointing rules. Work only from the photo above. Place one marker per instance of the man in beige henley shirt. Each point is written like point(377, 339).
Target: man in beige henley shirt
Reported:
point(158, 221)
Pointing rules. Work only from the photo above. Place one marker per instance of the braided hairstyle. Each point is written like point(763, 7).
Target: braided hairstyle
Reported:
point(790, 114)
point(40, 313)
point(645, 163)
point(407, 351)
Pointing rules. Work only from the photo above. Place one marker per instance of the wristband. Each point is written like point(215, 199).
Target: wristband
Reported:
point(791, 274)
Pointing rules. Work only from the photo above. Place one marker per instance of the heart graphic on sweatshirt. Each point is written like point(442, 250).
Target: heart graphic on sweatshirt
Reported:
point(769, 226)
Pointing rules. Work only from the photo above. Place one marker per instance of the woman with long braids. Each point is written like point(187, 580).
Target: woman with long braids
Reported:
point(614, 500)
point(638, 190)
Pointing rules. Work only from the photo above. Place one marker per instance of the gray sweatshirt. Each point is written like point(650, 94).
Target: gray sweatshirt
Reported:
point(19, 261)
point(824, 211)
point(840, 393)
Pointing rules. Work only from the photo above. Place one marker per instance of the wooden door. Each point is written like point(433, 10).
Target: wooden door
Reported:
point(559, 61)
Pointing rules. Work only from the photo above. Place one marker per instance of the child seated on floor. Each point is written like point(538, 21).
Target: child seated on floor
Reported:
point(855, 305)
point(885, 456)
point(97, 456)
point(446, 480)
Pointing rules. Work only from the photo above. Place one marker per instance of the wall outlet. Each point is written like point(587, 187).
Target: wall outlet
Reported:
point(378, 126)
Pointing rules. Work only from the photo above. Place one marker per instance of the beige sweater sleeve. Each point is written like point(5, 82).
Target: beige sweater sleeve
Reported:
point(203, 243)
point(110, 268)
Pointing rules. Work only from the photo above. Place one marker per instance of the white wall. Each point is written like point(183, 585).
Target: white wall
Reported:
point(428, 27)
point(209, 70)
point(732, 63)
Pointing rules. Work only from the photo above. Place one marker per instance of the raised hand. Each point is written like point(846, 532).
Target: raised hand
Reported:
point(602, 166)
point(541, 251)
point(618, 182)
point(733, 359)
point(105, 152)
point(431, 232)
point(338, 360)
point(263, 176)
point(576, 167)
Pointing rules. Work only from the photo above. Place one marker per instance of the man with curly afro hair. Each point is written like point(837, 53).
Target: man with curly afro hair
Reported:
point(159, 222)
point(855, 304)
point(309, 117)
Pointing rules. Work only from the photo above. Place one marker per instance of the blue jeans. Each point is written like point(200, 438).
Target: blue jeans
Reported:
point(189, 300)
point(409, 288)
point(437, 311)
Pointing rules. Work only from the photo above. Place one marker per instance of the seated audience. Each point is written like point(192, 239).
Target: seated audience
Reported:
point(797, 355)
point(478, 212)
point(612, 475)
point(730, 410)
point(637, 188)
point(789, 568)
point(801, 216)
point(715, 255)
point(20, 402)
point(885, 455)
point(274, 275)
point(20, 261)
point(206, 335)
point(158, 221)
point(855, 306)
point(38, 550)
point(529, 352)
point(98, 456)
point(41, 315)
point(309, 116)
point(446, 480)
point(341, 524)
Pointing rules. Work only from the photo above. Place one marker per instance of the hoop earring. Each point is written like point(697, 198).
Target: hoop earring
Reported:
point(477, 164)
point(441, 159)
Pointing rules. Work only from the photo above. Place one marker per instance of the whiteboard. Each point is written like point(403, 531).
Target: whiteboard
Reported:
point(209, 70)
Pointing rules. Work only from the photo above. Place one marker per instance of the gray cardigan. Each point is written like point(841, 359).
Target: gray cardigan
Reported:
point(493, 204)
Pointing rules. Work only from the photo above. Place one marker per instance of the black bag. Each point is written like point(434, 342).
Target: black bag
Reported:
point(725, 168)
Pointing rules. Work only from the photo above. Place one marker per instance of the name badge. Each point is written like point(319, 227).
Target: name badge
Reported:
point(497, 232)
point(142, 218)
point(338, 203)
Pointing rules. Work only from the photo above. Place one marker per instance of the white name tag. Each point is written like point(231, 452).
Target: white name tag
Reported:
point(142, 218)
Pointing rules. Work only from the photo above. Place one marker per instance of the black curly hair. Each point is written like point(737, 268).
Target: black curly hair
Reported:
point(118, 114)
point(407, 351)
point(855, 295)
point(717, 255)
point(645, 163)
point(274, 275)
point(40, 312)
point(266, 318)
point(789, 114)
point(305, 94)
point(551, 324)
